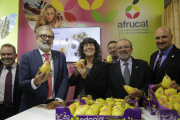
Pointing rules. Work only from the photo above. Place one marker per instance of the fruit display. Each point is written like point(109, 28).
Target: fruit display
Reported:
point(45, 67)
point(163, 100)
point(78, 63)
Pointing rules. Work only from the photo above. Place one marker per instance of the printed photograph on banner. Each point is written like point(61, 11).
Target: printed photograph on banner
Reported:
point(7, 24)
point(39, 12)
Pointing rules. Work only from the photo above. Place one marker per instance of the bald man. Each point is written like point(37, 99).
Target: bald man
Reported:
point(168, 61)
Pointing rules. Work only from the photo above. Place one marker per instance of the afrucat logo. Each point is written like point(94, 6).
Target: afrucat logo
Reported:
point(132, 11)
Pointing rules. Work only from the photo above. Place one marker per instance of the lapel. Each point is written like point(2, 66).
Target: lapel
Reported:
point(153, 60)
point(1, 67)
point(94, 68)
point(16, 79)
point(172, 54)
point(118, 73)
point(38, 57)
point(55, 58)
point(135, 69)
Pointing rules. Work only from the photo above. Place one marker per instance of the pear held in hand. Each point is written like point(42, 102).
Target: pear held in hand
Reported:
point(166, 82)
point(45, 67)
point(109, 59)
point(128, 89)
point(78, 63)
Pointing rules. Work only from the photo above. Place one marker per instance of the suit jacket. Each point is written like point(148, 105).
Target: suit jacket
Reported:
point(29, 66)
point(16, 93)
point(170, 66)
point(140, 78)
point(95, 83)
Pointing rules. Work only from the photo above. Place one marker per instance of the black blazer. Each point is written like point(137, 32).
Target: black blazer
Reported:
point(140, 78)
point(170, 66)
point(16, 93)
point(95, 83)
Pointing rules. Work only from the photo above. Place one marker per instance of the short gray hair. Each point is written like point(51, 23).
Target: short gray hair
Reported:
point(9, 45)
point(126, 40)
point(44, 27)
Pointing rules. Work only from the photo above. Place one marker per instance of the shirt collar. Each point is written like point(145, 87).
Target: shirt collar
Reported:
point(166, 52)
point(129, 61)
point(41, 52)
point(13, 66)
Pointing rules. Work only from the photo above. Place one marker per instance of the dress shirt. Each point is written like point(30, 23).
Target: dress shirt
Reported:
point(123, 66)
point(164, 56)
point(52, 77)
point(3, 79)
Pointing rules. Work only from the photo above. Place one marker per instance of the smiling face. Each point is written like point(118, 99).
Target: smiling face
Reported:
point(89, 49)
point(45, 44)
point(50, 14)
point(8, 56)
point(124, 50)
point(163, 38)
point(112, 49)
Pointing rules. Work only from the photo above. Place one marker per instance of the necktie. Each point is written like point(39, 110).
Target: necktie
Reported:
point(8, 88)
point(49, 79)
point(158, 63)
point(126, 74)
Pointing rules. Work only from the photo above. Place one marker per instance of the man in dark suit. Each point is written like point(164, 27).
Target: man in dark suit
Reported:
point(170, 58)
point(135, 73)
point(41, 88)
point(9, 105)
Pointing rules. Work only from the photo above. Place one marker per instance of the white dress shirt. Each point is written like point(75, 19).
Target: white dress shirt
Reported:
point(123, 66)
point(3, 79)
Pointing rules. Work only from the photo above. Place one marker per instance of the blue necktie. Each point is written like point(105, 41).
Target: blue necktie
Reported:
point(158, 63)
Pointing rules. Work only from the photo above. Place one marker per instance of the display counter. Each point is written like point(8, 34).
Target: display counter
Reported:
point(39, 113)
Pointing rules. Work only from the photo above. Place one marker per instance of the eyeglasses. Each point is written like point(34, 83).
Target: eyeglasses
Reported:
point(110, 48)
point(44, 37)
point(125, 47)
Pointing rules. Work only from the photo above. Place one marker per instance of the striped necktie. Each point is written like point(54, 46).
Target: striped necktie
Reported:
point(158, 63)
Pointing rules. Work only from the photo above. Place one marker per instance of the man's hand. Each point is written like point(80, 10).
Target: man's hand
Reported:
point(136, 94)
point(41, 77)
point(52, 105)
point(173, 84)
point(75, 69)
point(104, 60)
point(82, 71)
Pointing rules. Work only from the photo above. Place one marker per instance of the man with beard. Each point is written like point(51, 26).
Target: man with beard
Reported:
point(9, 79)
point(128, 71)
point(112, 51)
point(168, 57)
point(41, 88)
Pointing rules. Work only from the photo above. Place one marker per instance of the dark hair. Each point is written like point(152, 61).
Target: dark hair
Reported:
point(9, 45)
point(97, 55)
point(111, 42)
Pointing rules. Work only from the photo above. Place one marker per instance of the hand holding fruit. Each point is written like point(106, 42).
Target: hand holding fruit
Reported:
point(82, 70)
point(40, 78)
point(136, 94)
point(174, 85)
point(75, 69)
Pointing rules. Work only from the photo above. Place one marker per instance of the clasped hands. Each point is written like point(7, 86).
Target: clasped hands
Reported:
point(78, 70)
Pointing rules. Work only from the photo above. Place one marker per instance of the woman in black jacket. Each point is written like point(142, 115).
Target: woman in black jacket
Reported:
point(92, 78)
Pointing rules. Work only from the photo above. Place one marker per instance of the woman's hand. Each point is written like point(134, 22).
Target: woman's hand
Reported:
point(76, 72)
point(58, 23)
point(82, 71)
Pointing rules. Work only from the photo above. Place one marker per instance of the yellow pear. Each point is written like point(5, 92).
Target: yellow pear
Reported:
point(177, 107)
point(118, 112)
point(90, 102)
point(163, 99)
point(128, 88)
point(82, 110)
point(168, 105)
point(72, 108)
point(78, 63)
point(159, 92)
point(166, 82)
point(105, 112)
point(86, 99)
point(109, 59)
point(174, 98)
point(170, 91)
point(45, 67)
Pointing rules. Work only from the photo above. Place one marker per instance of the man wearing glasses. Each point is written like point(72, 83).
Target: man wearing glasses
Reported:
point(111, 47)
point(41, 88)
point(128, 71)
